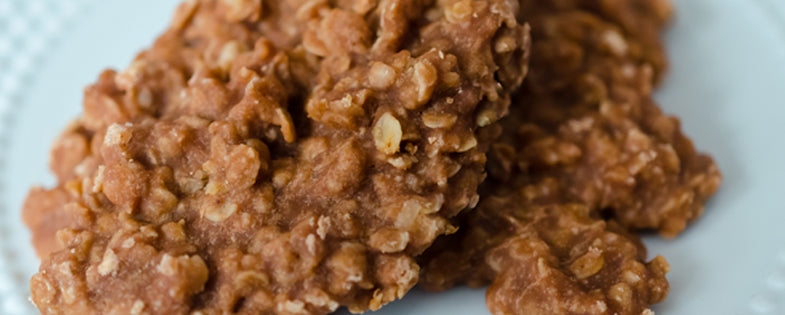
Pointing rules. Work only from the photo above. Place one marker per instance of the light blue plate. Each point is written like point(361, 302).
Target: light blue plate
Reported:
point(727, 83)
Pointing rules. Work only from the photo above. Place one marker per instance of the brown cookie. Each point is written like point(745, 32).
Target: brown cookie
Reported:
point(586, 142)
point(285, 157)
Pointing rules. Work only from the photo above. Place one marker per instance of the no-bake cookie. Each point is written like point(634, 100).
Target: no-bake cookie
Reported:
point(275, 157)
point(586, 158)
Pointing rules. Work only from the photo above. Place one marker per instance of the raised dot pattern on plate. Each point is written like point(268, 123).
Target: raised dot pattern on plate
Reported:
point(771, 299)
point(28, 29)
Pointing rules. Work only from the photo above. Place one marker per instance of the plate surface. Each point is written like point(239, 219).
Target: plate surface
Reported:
point(727, 83)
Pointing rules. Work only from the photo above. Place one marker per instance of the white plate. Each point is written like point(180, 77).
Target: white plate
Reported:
point(727, 83)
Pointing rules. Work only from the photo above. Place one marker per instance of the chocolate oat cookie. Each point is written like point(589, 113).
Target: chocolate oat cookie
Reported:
point(275, 157)
point(553, 258)
point(587, 143)
point(641, 20)
point(590, 89)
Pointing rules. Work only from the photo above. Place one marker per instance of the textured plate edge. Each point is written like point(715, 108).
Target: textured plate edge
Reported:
point(14, 299)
